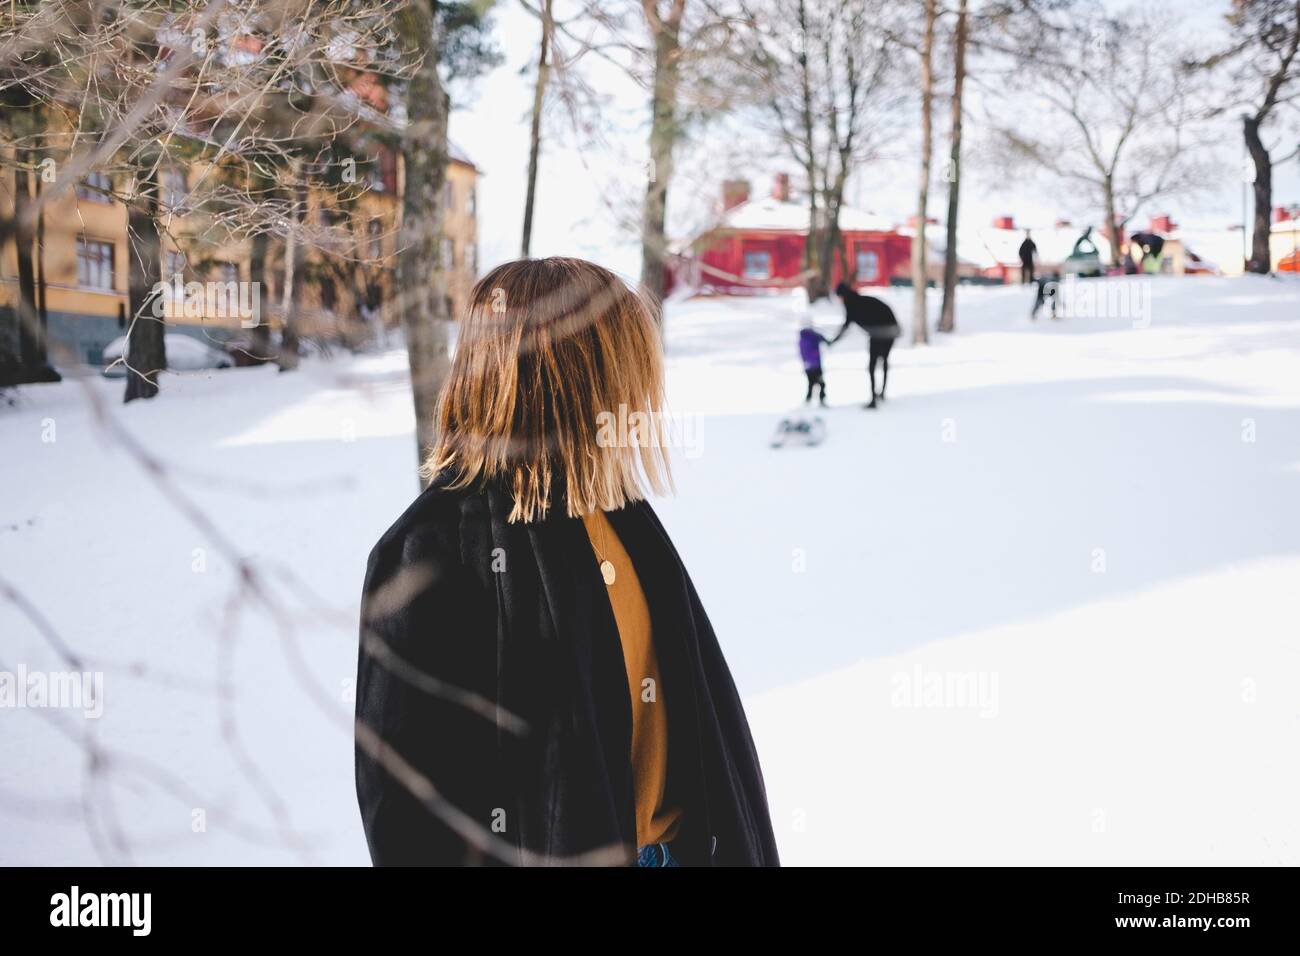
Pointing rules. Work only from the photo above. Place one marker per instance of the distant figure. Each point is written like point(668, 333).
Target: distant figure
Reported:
point(1151, 245)
point(877, 320)
point(1130, 267)
point(810, 350)
point(1028, 250)
point(1084, 244)
point(1049, 294)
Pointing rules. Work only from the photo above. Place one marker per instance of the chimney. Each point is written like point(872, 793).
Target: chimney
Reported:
point(781, 187)
point(1162, 223)
point(734, 192)
point(1281, 214)
point(1004, 222)
point(1063, 224)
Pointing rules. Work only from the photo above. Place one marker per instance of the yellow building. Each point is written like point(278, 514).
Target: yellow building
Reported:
point(342, 298)
point(460, 229)
point(83, 255)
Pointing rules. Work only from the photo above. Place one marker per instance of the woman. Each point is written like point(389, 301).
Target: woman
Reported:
point(539, 683)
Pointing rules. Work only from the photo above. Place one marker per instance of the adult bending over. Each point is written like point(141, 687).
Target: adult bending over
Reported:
point(877, 320)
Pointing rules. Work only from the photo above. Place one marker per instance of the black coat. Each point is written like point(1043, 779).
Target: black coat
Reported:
point(870, 314)
point(535, 639)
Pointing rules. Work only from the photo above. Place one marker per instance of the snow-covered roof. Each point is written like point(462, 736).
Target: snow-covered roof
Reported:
point(770, 214)
point(458, 155)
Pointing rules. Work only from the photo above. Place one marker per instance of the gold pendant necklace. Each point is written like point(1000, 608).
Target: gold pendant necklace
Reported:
point(606, 566)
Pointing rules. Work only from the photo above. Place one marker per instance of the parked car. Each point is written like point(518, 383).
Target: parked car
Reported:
point(184, 354)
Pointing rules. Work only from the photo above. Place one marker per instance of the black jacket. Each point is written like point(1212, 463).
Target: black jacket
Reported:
point(870, 314)
point(517, 615)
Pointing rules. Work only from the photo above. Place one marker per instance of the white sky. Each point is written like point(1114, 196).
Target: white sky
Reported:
point(583, 192)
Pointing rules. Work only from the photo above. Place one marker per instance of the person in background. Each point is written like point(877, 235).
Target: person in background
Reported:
point(1084, 246)
point(1049, 294)
point(810, 350)
point(875, 318)
point(1028, 249)
point(1130, 267)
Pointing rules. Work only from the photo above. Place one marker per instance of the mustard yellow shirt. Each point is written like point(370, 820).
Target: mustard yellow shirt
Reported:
point(655, 823)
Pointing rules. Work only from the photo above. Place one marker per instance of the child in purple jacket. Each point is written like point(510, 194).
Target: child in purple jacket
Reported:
point(810, 350)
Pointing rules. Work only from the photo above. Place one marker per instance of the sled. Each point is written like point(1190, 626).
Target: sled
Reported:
point(807, 432)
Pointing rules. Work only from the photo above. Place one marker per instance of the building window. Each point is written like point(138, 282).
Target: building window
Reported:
point(448, 255)
point(175, 190)
point(95, 188)
point(388, 169)
point(375, 177)
point(757, 265)
point(867, 266)
point(227, 271)
point(448, 197)
point(472, 202)
point(471, 254)
point(374, 230)
point(94, 264)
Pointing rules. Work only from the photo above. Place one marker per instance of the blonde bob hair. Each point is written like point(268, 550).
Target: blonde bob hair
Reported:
point(554, 357)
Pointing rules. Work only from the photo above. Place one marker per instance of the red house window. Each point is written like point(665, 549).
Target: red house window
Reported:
point(867, 266)
point(757, 264)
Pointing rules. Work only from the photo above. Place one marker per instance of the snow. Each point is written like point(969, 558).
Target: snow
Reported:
point(1222, 248)
point(1040, 607)
point(769, 214)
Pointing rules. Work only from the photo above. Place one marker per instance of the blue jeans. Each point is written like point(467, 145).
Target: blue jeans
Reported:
point(656, 854)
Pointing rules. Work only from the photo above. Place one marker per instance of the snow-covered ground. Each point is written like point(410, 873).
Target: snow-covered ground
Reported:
point(1040, 607)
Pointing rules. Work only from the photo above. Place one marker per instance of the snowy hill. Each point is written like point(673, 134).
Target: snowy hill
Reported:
point(1039, 607)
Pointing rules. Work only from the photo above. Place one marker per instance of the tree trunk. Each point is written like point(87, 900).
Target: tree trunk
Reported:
point(146, 353)
point(1111, 232)
point(663, 136)
point(1261, 258)
point(535, 132)
point(260, 335)
point(287, 355)
point(42, 304)
point(948, 313)
point(811, 247)
point(30, 345)
point(420, 283)
point(29, 361)
point(830, 240)
point(29, 242)
point(920, 333)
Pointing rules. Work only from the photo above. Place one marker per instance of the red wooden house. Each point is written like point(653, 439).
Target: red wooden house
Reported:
point(757, 245)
